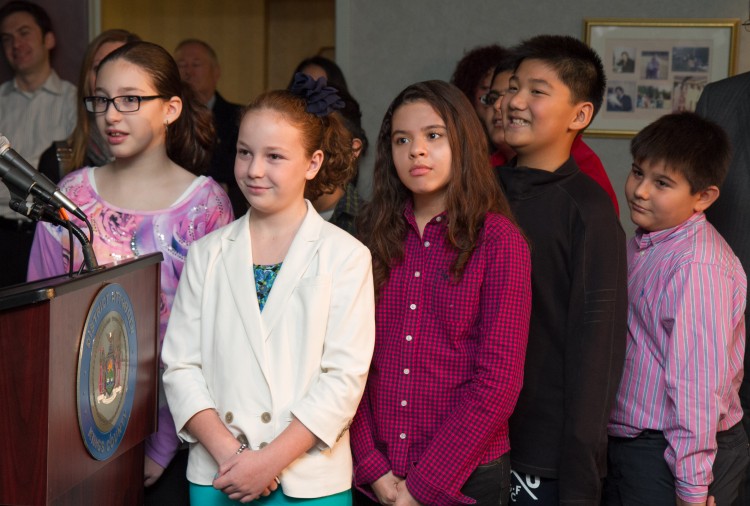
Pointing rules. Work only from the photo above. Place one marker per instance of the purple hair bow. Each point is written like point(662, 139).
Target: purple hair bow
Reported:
point(321, 99)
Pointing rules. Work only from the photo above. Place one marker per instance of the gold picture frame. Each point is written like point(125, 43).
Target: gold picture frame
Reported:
point(656, 66)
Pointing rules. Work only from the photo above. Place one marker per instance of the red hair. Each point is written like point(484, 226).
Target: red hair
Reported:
point(326, 133)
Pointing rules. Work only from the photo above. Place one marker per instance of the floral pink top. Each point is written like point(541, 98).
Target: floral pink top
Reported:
point(122, 233)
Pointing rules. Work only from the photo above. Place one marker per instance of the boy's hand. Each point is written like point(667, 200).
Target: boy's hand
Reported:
point(710, 502)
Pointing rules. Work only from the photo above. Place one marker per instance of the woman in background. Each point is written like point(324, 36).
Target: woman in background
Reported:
point(85, 146)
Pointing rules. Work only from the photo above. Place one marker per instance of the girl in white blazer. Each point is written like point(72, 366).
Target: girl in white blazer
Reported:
point(272, 329)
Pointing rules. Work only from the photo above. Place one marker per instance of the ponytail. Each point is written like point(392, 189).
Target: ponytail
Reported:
point(190, 138)
point(339, 162)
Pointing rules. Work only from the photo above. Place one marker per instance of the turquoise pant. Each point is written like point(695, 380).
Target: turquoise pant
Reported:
point(206, 495)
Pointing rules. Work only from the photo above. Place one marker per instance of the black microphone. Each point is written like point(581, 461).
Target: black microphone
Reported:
point(46, 212)
point(56, 197)
point(21, 184)
point(37, 211)
point(14, 179)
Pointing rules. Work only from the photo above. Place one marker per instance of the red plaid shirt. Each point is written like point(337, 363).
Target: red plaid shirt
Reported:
point(448, 362)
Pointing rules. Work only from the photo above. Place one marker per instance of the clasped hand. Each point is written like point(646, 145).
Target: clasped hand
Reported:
point(391, 490)
point(245, 477)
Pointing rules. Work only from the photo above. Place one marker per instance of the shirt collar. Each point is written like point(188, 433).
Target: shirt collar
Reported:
point(440, 219)
point(521, 182)
point(646, 239)
point(53, 84)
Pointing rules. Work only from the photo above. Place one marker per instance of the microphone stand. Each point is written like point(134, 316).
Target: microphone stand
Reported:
point(44, 212)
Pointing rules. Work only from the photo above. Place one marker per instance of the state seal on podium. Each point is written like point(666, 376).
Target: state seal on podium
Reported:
point(107, 363)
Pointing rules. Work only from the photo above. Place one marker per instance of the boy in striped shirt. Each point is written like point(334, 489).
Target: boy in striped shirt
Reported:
point(675, 431)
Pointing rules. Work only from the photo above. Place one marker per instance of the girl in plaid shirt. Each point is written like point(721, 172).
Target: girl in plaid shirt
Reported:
point(452, 280)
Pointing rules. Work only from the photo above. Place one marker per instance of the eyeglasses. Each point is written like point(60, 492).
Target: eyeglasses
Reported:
point(123, 103)
point(490, 98)
point(746, 25)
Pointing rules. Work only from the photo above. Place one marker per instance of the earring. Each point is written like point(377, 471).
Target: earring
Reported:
point(166, 126)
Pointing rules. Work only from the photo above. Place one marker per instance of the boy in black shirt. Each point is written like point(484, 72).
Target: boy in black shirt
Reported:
point(576, 347)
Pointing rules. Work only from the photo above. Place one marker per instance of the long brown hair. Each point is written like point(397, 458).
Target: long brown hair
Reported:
point(190, 138)
point(326, 133)
point(79, 139)
point(472, 189)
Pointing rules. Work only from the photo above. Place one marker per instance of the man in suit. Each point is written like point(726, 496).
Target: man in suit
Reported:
point(625, 64)
point(199, 67)
point(619, 101)
point(727, 102)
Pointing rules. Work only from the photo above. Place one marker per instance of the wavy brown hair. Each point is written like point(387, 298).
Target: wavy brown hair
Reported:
point(472, 190)
point(326, 133)
point(190, 138)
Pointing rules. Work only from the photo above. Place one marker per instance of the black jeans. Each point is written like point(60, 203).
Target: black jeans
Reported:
point(488, 485)
point(639, 475)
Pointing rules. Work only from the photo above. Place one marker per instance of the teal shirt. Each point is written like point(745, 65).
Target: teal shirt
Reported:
point(265, 275)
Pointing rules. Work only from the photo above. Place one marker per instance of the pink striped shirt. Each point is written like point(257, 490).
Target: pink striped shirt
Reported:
point(685, 347)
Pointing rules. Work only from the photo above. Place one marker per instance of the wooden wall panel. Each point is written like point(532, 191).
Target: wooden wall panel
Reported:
point(236, 29)
point(297, 29)
point(259, 42)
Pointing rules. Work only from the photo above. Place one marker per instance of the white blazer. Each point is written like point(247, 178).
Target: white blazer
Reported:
point(306, 355)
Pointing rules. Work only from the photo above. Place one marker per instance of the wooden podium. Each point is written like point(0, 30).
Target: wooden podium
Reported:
point(43, 459)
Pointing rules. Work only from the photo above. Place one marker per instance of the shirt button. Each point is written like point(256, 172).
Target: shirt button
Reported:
point(265, 417)
point(427, 244)
point(406, 371)
point(402, 435)
point(403, 403)
point(413, 307)
point(417, 274)
point(439, 219)
point(228, 417)
point(409, 338)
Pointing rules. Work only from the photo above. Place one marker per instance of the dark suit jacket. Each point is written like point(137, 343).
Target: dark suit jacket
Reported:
point(727, 102)
point(227, 124)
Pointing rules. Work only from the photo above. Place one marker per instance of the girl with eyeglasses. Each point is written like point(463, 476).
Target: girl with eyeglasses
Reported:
point(148, 199)
point(84, 146)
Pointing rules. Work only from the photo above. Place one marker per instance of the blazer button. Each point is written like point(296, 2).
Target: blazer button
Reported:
point(262, 445)
point(265, 417)
point(228, 417)
point(242, 439)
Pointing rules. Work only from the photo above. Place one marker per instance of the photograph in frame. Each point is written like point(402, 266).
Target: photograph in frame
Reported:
point(655, 67)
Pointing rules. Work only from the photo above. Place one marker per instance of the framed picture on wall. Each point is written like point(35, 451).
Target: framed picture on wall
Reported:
point(656, 67)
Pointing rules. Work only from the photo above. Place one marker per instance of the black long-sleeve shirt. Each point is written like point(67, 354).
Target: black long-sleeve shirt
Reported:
point(577, 335)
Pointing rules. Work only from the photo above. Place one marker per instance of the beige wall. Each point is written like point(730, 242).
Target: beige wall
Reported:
point(259, 42)
point(386, 45)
